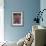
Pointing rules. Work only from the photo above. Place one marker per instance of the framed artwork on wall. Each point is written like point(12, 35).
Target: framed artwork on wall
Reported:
point(17, 18)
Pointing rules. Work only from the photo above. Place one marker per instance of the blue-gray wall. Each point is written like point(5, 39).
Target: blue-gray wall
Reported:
point(29, 7)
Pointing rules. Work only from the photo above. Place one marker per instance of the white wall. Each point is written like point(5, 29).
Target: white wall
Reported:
point(43, 6)
point(1, 20)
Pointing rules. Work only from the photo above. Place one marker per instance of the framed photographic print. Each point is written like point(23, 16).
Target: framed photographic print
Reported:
point(17, 18)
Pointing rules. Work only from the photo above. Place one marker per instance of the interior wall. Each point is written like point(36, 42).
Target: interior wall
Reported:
point(29, 7)
point(43, 6)
point(1, 20)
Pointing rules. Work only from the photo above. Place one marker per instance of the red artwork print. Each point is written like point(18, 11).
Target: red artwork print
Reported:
point(17, 19)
